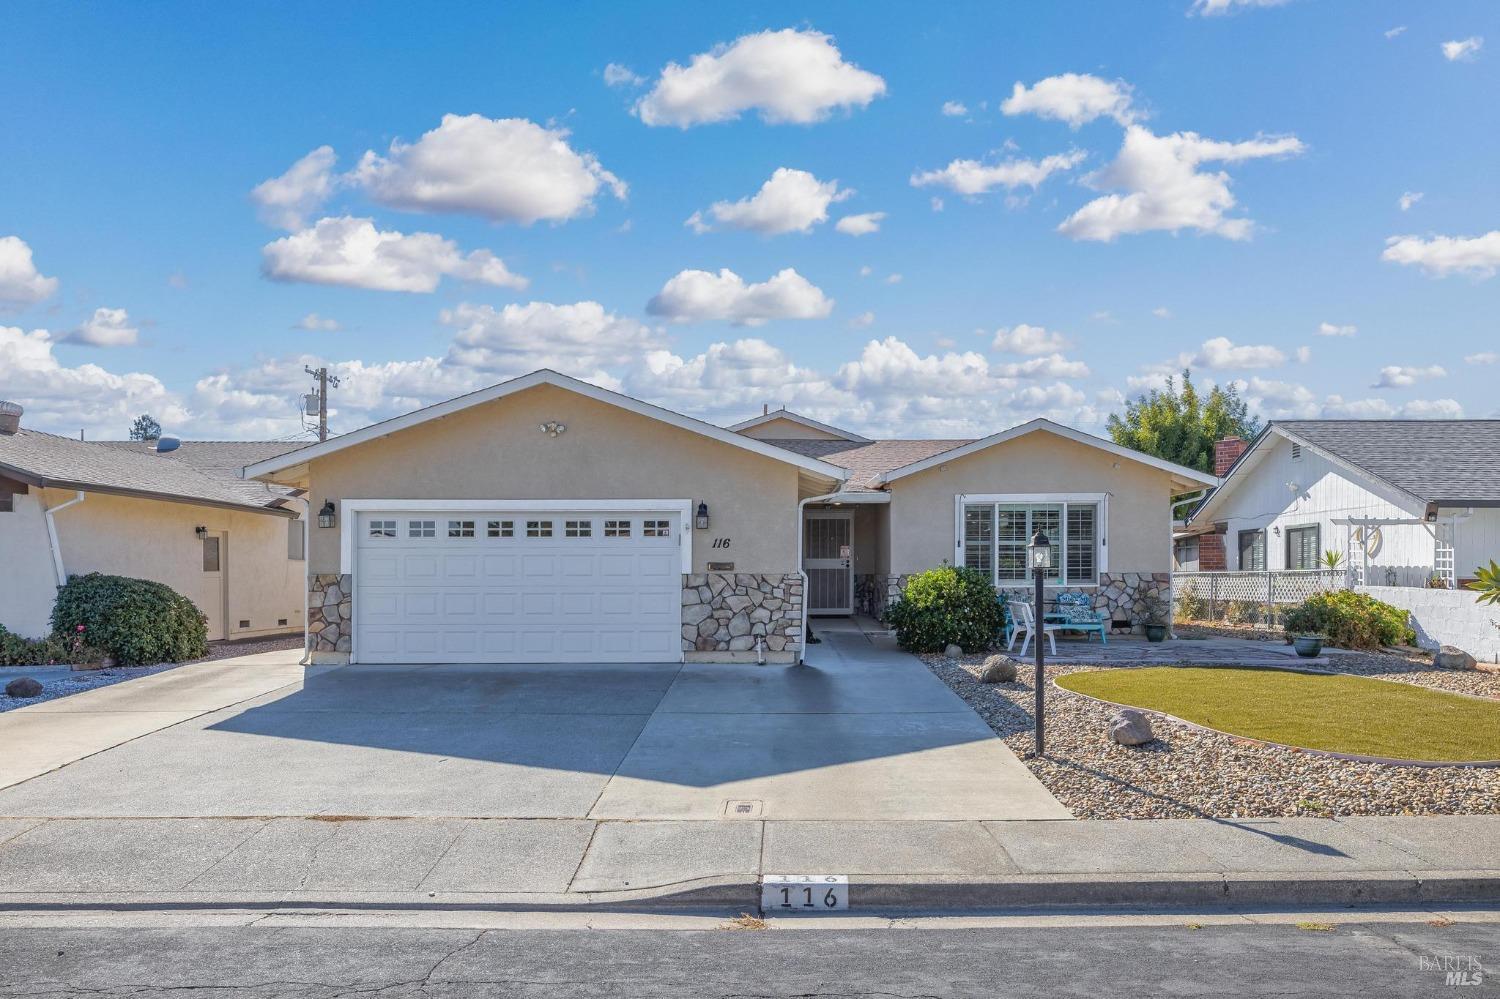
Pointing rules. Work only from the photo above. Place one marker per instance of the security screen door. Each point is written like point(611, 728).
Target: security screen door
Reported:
point(827, 550)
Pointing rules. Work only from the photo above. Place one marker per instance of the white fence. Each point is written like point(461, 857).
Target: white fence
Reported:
point(1249, 597)
point(1447, 617)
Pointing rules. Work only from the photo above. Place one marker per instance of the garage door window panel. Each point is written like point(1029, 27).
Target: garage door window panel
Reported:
point(500, 529)
point(382, 528)
point(539, 528)
point(578, 528)
point(421, 529)
point(617, 528)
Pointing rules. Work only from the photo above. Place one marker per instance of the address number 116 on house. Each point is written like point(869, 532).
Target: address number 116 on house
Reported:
point(804, 892)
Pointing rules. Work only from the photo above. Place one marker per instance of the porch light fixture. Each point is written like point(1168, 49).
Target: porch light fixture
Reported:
point(1040, 551)
point(702, 519)
point(327, 516)
point(552, 428)
point(201, 531)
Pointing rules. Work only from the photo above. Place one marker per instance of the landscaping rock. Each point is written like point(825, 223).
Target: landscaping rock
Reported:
point(953, 652)
point(1129, 727)
point(998, 669)
point(1451, 657)
point(24, 686)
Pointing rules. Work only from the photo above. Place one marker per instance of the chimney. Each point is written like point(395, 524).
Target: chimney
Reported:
point(1226, 453)
point(10, 417)
point(765, 409)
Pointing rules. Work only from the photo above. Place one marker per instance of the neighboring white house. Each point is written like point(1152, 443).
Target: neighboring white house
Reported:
point(1399, 501)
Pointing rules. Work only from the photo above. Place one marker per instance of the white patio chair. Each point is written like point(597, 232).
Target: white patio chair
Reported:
point(1021, 613)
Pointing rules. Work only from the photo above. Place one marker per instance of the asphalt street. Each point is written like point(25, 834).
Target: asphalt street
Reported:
point(1369, 959)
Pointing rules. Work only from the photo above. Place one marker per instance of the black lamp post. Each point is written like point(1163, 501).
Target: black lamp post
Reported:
point(1040, 551)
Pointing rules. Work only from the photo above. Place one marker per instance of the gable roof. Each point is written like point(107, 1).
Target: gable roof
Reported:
point(1443, 462)
point(791, 417)
point(867, 461)
point(47, 460)
point(544, 376)
point(1189, 478)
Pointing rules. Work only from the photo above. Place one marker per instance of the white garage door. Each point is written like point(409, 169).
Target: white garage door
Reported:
point(518, 587)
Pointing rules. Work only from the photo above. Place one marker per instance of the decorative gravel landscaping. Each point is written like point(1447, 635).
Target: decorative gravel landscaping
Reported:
point(1334, 713)
point(1187, 772)
point(60, 681)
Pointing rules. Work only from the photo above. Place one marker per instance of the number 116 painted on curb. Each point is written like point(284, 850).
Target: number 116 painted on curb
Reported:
point(804, 892)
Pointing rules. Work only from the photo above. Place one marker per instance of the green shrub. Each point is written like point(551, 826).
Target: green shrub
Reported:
point(1351, 620)
point(137, 621)
point(1191, 607)
point(1243, 612)
point(18, 651)
point(945, 606)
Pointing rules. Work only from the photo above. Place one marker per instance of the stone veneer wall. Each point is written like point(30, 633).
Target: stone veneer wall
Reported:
point(728, 611)
point(329, 603)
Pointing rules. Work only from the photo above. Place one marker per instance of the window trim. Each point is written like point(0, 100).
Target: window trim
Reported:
point(962, 500)
point(1239, 549)
point(1286, 534)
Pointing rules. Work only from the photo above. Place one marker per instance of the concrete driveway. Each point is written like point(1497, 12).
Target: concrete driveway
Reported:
point(860, 733)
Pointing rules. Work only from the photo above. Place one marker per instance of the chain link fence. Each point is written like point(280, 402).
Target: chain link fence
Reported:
point(1249, 598)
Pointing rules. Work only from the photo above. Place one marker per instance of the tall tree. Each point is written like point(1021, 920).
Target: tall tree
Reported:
point(145, 428)
point(1177, 424)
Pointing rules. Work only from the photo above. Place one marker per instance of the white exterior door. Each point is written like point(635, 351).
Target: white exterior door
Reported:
point(827, 558)
point(518, 586)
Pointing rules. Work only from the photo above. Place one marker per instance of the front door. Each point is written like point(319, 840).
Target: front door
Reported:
point(827, 558)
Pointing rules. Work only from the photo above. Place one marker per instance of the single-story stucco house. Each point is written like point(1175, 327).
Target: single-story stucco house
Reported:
point(181, 515)
point(545, 519)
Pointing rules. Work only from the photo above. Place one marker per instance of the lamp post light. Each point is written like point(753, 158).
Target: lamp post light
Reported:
point(1040, 551)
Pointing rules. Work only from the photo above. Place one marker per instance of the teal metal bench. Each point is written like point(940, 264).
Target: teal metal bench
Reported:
point(1075, 612)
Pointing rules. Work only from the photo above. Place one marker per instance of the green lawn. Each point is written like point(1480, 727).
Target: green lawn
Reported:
point(1341, 714)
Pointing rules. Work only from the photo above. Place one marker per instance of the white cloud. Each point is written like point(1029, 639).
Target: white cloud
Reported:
point(1399, 29)
point(506, 170)
point(936, 203)
point(581, 337)
point(788, 76)
point(105, 328)
point(1432, 409)
point(313, 321)
point(286, 201)
point(893, 279)
point(971, 177)
point(351, 251)
point(66, 399)
point(1408, 199)
point(1050, 366)
point(866, 271)
point(1162, 312)
point(1335, 407)
point(20, 282)
point(1220, 353)
point(860, 225)
point(1483, 357)
point(862, 321)
point(695, 296)
point(1443, 255)
point(1277, 400)
point(1463, 50)
point(955, 109)
point(1401, 376)
point(791, 201)
point(1075, 98)
point(1210, 8)
point(1329, 329)
point(1304, 355)
point(1028, 340)
point(616, 75)
point(1165, 189)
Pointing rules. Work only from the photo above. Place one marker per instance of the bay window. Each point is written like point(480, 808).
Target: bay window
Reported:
point(995, 536)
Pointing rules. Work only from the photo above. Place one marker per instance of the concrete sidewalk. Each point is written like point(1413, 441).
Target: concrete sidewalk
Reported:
point(906, 866)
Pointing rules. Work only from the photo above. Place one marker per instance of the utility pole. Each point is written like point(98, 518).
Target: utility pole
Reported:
point(324, 380)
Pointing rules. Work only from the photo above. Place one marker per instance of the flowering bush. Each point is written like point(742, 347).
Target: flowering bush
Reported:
point(138, 621)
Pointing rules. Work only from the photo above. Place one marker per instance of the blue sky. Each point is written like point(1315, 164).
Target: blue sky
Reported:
point(1171, 183)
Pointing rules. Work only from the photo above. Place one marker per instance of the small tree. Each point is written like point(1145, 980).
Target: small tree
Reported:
point(1178, 425)
point(145, 428)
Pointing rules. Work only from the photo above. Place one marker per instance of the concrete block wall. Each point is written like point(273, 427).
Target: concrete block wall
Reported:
point(1446, 617)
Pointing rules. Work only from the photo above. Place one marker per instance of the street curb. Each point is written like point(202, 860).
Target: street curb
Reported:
point(868, 894)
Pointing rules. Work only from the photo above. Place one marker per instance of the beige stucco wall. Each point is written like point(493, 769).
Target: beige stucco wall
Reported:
point(788, 430)
point(1139, 529)
point(871, 534)
point(27, 580)
point(151, 539)
point(495, 451)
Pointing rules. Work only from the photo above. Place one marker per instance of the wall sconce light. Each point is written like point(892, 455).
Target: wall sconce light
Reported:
point(201, 531)
point(552, 428)
point(1276, 530)
point(702, 518)
point(327, 516)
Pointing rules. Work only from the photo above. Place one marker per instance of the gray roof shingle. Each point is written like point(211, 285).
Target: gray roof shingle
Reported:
point(199, 471)
point(1440, 461)
point(865, 461)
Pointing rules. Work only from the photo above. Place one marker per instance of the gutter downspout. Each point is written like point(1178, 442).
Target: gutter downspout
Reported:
point(306, 501)
point(806, 592)
point(57, 560)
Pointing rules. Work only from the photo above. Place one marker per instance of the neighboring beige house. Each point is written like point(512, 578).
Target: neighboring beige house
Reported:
point(548, 520)
point(182, 516)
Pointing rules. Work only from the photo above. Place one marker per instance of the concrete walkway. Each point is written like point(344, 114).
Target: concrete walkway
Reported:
point(562, 862)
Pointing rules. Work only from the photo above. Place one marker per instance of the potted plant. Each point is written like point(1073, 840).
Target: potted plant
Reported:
point(1156, 619)
point(1308, 646)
